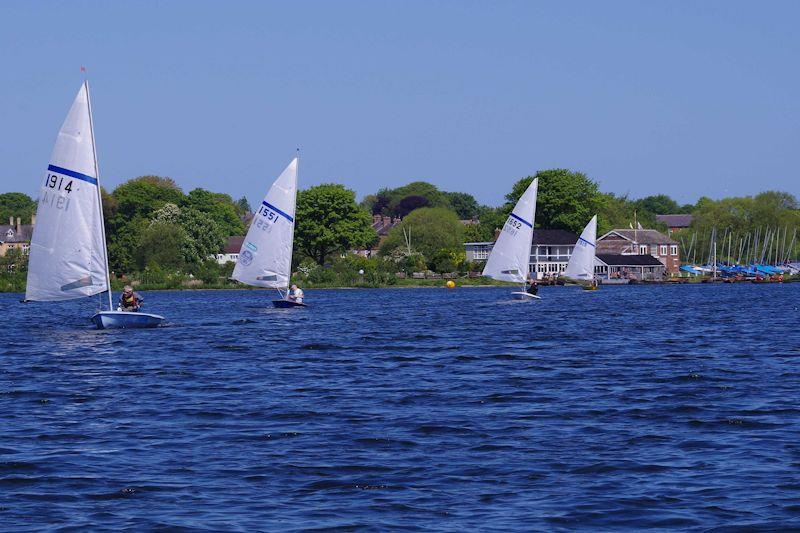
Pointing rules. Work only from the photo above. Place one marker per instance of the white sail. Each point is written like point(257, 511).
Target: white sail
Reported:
point(67, 254)
point(265, 259)
point(510, 256)
point(581, 263)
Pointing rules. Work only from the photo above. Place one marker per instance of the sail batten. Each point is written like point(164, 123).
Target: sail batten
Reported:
point(581, 263)
point(510, 256)
point(67, 253)
point(265, 259)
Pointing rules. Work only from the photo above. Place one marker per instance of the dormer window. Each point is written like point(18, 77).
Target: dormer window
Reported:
point(10, 233)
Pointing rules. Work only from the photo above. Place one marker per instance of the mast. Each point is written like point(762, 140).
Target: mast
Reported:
point(291, 250)
point(99, 195)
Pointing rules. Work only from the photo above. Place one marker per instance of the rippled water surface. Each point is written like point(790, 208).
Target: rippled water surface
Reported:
point(632, 407)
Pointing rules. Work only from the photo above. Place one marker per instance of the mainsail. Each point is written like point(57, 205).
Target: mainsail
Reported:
point(511, 254)
point(581, 263)
point(265, 259)
point(67, 254)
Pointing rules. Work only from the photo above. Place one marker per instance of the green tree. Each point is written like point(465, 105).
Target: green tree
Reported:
point(16, 204)
point(431, 229)
point(143, 195)
point(243, 207)
point(659, 204)
point(409, 203)
point(204, 237)
point(220, 207)
point(566, 199)
point(161, 243)
point(123, 241)
point(329, 220)
point(465, 205)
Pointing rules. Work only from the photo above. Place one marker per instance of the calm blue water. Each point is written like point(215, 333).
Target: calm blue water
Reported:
point(632, 407)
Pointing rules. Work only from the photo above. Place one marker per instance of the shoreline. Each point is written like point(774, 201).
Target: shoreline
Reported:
point(429, 286)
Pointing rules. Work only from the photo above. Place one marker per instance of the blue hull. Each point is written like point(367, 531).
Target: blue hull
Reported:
point(123, 320)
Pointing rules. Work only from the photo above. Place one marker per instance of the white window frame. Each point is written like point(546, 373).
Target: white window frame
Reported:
point(663, 249)
point(673, 249)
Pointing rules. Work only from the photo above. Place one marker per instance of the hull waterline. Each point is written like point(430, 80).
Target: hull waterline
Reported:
point(287, 304)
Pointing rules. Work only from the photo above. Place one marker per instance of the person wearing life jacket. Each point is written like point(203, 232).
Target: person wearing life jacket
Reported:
point(129, 300)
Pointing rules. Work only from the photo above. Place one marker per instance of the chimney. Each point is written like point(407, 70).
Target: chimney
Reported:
point(33, 219)
point(10, 221)
point(19, 225)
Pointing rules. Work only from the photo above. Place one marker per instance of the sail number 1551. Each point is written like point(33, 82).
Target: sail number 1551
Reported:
point(54, 181)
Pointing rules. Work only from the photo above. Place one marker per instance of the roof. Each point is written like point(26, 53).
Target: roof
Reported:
point(675, 221)
point(554, 236)
point(542, 236)
point(640, 236)
point(382, 224)
point(629, 260)
point(10, 233)
point(233, 244)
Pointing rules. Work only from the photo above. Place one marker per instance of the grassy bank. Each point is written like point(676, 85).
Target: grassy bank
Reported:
point(15, 282)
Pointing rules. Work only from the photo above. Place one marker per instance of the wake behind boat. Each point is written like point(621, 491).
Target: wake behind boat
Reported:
point(509, 259)
point(68, 255)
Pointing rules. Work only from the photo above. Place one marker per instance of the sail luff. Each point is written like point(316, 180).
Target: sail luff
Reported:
point(99, 195)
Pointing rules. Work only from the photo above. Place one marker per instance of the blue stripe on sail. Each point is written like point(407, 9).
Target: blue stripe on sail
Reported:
point(584, 240)
point(522, 220)
point(281, 213)
point(73, 174)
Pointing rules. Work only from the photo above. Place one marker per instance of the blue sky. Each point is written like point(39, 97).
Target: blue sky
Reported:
point(685, 98)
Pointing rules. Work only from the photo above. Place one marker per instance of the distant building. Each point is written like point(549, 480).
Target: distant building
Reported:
point(675, 222)
point(550, 251)
point(636, 267)
point(230, 252)
point(16, 236)
point(642, 242)
point(381, 224)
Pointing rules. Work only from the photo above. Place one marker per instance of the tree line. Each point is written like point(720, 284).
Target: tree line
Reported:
point(152, 225)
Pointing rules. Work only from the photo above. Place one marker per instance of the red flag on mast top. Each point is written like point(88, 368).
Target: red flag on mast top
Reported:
point(83, 69)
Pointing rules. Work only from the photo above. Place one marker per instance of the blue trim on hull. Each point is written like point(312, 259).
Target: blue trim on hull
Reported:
point(126, 320)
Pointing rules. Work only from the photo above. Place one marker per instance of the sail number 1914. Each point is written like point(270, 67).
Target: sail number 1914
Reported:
point(54, 181)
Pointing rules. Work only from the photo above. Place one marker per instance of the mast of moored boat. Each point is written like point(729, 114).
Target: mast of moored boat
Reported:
point(99, 196)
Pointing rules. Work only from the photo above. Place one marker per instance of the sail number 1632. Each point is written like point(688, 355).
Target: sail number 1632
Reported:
point(54, 181)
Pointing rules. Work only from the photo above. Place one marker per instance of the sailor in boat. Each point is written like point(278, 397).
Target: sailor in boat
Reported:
point(533, 287)
point(130, 301)
point(295, 294)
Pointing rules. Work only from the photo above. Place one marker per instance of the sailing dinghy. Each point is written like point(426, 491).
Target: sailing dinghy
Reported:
point(510, 257)
point(580, 268)
point(265, 259)
point(68, 255)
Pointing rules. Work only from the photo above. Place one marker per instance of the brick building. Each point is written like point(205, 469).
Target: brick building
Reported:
point(642, 242)
point(675, 222)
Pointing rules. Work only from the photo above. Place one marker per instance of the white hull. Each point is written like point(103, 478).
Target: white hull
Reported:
point(519, 295)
